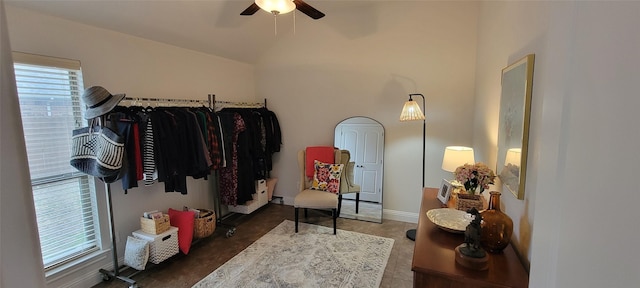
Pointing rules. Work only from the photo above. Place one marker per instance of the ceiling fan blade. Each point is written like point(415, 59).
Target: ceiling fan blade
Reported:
point(308, 10)
point(251, 9)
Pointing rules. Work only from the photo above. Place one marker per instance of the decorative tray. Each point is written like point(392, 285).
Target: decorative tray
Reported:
point(451, 220)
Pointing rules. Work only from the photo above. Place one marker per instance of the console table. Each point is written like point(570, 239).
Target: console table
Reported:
point(434, 263)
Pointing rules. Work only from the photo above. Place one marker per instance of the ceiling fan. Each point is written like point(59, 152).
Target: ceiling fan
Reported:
point(283, 6)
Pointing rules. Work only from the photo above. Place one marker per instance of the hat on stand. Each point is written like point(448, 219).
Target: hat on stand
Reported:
point(99, 101)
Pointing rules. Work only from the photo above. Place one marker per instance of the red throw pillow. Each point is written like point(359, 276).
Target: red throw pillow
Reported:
point(184, 221)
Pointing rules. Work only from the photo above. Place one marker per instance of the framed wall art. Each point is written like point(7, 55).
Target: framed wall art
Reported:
point(513, 130)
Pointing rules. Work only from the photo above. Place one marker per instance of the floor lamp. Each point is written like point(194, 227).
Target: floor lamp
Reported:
point(410, 112)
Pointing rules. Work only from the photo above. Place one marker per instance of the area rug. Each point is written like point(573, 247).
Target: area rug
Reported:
point(313, 257)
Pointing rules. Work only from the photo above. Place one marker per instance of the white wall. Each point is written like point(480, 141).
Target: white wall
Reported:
point(583, 129)
point(507, 33)
point(139, 68)
point(18, 239)
point(367, 67)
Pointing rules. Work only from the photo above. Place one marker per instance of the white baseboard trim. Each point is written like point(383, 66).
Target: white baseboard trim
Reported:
point(285, 200)
point(409, 217)
point(386, 213)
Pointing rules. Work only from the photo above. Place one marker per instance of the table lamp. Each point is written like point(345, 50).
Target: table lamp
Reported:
point(513, 157)
point(510, 173)
point(454, 157)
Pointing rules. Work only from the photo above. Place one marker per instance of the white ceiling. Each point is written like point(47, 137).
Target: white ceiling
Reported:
point(209, 26)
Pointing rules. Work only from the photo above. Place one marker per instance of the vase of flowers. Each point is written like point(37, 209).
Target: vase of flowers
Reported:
point(475, 177)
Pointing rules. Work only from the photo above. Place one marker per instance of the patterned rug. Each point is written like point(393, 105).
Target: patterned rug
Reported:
point(313, 257)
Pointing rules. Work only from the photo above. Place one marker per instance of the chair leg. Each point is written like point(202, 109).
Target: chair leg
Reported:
point(335, 216)
point(357, 201)
point(340, 204)
point(296, 217)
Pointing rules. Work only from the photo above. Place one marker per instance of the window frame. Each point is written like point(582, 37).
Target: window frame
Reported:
point(97, 243)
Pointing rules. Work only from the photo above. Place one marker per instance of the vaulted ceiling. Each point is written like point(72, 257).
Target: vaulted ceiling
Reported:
point(209, 26)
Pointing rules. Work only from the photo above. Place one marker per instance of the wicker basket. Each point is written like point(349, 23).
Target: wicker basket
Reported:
point(467, 201)
point(204, 226)
point(155, 226)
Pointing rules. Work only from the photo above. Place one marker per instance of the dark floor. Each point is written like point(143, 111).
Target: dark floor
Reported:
point(209, 253)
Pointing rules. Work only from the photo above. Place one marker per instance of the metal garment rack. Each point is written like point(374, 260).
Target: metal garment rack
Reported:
point(158, 102)
point(231, 104)
point(117, 269)
point(217, 106)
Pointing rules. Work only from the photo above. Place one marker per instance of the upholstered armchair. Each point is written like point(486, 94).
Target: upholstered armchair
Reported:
point(346, 180)
point(314, 199)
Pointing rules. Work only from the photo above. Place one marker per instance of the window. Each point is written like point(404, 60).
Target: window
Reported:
point(49, 91)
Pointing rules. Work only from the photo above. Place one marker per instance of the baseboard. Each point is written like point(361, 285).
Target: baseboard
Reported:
point(387, 214)
point(282, 200)
point(409, 217)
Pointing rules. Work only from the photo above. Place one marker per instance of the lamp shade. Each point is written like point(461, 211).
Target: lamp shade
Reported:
point(456, 156)
point(513, 157)
point(276, 6)
point(411, 111)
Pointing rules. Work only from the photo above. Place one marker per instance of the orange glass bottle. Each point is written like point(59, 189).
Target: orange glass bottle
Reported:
point(497, 226)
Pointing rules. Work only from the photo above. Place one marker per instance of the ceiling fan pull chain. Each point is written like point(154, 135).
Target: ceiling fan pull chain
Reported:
point(294, 22)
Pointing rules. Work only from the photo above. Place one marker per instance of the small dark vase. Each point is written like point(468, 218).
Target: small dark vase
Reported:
point(497, 227)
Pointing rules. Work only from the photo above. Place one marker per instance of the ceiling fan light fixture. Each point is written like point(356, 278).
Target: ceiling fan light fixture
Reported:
point(276, 6)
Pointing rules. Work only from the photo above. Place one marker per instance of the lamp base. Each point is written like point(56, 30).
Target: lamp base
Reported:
point(411, 234)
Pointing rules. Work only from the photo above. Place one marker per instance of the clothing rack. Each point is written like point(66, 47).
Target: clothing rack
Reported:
point(217, 106)
point(230, 104)
point(166, 102)
point(157, 102)
point(210, 102)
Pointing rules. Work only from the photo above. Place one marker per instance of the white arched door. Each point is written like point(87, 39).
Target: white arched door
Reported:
point(364, 138)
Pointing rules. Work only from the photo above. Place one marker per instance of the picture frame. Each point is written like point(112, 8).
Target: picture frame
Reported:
point(513, 130)
point(444, 193)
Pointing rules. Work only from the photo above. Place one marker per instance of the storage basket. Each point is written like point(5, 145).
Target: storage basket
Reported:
point(204, 226)
point(261, 185)
point(155, 226)
point(271, 185)
point(467, 201)
point(161, 246)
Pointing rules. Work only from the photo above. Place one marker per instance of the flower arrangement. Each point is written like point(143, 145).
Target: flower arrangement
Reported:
point(474, 176)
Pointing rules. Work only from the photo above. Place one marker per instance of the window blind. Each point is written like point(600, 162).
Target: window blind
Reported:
point(49, 92)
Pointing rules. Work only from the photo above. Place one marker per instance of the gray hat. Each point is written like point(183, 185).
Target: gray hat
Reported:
point(99, 101)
